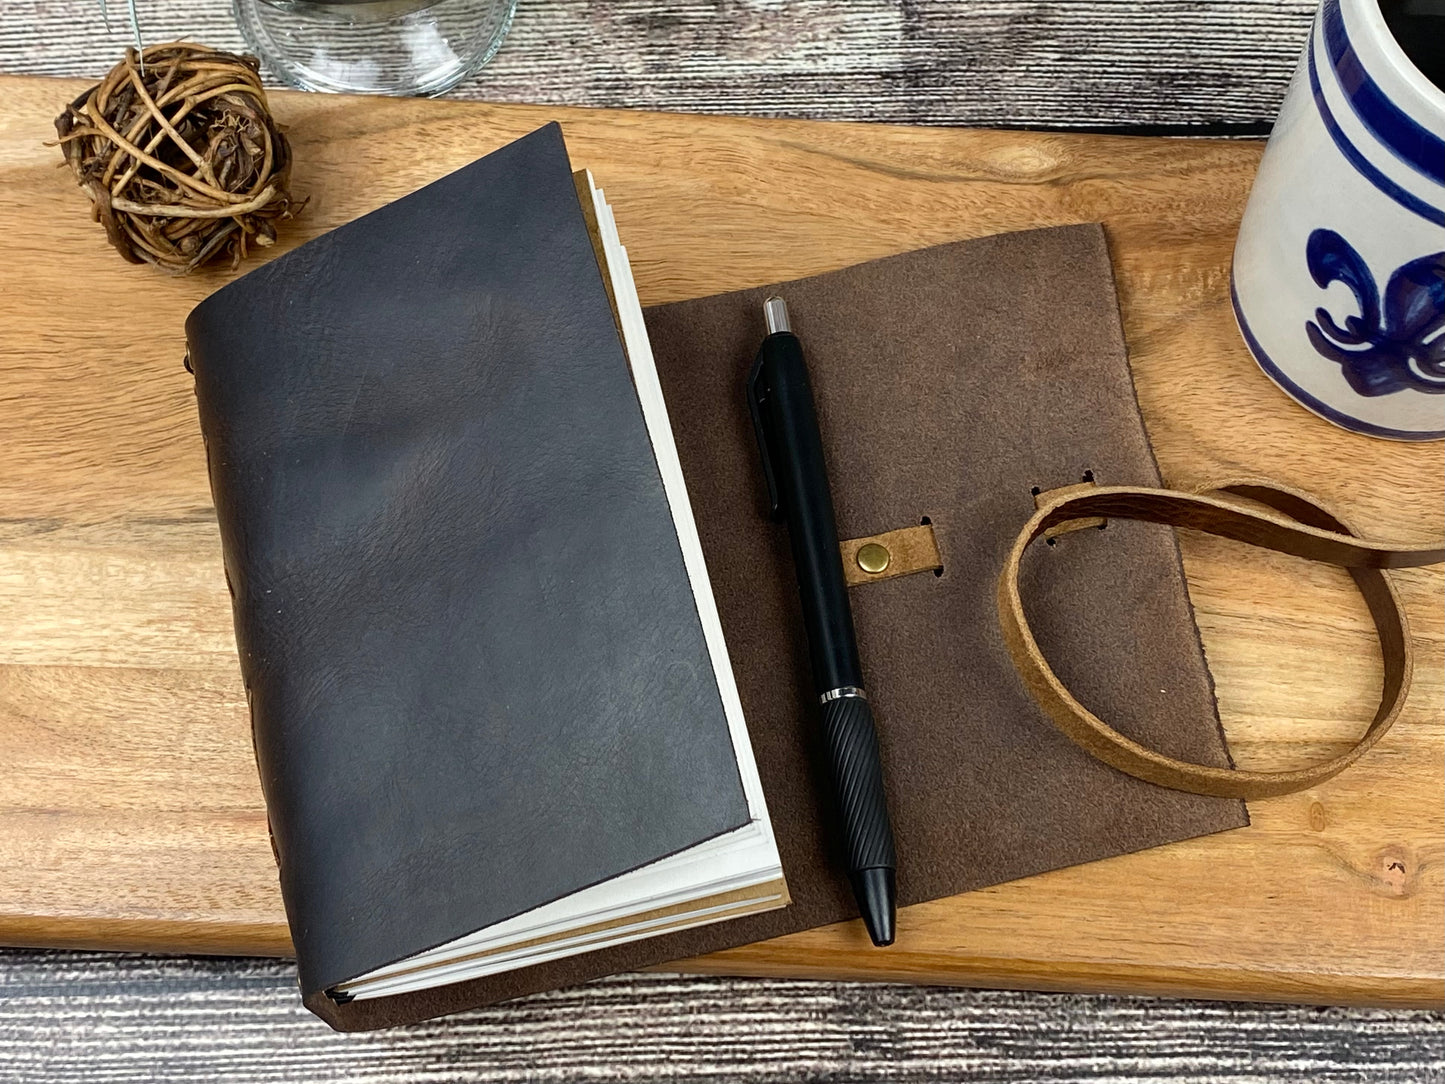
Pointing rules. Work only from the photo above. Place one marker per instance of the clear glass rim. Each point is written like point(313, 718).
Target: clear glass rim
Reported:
point(251, 18)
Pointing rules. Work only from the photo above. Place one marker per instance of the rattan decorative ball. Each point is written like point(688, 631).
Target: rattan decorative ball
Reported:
point(180, 156)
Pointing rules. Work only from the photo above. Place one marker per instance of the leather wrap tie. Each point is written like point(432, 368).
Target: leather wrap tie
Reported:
point(1291, 522)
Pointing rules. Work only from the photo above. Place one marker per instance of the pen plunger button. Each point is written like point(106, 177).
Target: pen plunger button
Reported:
point(775, 312)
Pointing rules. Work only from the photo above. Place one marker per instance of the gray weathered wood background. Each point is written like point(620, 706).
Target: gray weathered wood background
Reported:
point(1091, 63)
point(92, 1017)
point(1187, 66)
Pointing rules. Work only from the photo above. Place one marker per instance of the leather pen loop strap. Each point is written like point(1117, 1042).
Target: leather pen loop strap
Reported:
point(1291, 523)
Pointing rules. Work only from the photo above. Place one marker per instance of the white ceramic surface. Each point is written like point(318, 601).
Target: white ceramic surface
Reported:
point(1339, 269)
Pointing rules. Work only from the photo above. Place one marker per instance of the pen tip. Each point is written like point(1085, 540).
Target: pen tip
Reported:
point(775, 312)
point(875, 889)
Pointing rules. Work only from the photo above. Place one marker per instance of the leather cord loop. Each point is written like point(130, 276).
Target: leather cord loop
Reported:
point(1291, 522)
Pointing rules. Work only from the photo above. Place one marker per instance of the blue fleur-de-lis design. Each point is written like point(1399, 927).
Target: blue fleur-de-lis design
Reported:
point(1382, 350)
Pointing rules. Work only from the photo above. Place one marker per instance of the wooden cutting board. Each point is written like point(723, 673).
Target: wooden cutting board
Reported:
point(130, 814)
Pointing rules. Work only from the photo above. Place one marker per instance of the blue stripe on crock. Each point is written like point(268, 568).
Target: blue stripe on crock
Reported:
point(1323, 409)
point(1407, 139)
point(1404, 198)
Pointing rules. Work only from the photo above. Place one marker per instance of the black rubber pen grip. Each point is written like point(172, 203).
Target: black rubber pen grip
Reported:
point(858, 780)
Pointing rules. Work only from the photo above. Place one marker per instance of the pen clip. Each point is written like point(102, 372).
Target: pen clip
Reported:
point(755, 408)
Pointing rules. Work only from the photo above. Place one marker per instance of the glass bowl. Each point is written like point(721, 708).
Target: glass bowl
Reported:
point(396, 47)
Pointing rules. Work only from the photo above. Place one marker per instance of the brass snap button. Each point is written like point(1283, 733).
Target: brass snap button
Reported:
point(873, 557)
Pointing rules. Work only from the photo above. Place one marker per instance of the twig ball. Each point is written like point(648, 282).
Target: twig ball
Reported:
point(180, 156)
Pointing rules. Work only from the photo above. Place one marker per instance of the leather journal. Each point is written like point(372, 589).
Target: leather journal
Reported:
point(486, 679)
point(492, 707)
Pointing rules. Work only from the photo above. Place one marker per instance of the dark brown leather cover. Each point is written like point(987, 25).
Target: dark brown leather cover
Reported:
point(477, 676)
point(949, 383)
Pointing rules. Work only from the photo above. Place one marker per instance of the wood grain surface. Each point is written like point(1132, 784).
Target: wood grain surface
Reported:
point(130, 814)
point(1093, 63)
point(129, 1020)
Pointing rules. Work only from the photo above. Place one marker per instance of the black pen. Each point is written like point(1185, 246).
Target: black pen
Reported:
point(781, 400)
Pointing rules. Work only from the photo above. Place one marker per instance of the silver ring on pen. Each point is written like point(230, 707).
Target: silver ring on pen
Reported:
point(841, 692)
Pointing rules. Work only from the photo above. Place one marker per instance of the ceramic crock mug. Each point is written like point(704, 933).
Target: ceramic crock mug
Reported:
point(1339, 270)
